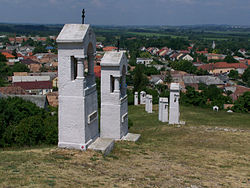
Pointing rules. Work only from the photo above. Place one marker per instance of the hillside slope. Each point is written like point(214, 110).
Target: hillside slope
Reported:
point(211, 150)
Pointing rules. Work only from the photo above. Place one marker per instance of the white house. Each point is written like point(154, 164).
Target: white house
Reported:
point(187, 57)
point(144, 61)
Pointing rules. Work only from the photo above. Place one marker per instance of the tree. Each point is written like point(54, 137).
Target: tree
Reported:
point(139, 78)
point(233, 74)
point(29, 42)
point(246, 76)
point(2, 58)
point(230, 59)
point(4, 69)
point(145, 55)
point(168, 77)
point(19, 67)
point(243, 103)
point(239, 54)
point(30, 131)
point(14, 53)
point(150, 71)
point(193, 97)
point(43, 69)
point(39, 49)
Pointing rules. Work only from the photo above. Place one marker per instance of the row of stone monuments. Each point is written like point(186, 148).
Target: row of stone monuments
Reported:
point(174, 112)
point(78, 105)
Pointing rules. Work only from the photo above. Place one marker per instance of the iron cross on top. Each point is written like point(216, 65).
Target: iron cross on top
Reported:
point(83, 15)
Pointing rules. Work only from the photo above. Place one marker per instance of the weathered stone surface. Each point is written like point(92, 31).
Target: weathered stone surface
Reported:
point(136, 99)
point(78, 108)
point(103, 145)
point(131, 137)
point(143, 97)
point(174, 113)
point(114, 101)
point(163, 109)
point(72, 33)
point(147, 103)
point(150, 104)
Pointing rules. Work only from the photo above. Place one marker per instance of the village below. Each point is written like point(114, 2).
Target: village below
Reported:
point(127, 106)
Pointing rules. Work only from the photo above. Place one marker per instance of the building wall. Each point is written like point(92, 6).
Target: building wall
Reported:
point(220, 70)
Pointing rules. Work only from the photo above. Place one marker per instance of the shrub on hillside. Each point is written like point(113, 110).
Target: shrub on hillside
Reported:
point(51, 129)
point(30, 131)
point(23, 123)
point(242, 104)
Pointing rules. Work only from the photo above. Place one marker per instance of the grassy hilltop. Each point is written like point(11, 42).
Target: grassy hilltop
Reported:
point(211, 150)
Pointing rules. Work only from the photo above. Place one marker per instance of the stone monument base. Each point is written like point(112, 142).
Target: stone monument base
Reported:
point(131, 137)
point(103, 145)
point(77, 146)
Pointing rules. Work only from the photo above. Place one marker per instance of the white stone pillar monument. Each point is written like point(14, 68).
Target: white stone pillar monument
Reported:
point(143, 97)
point(114, 102)
point(78, 109)
point(136, 99)
point(164, 110)
point(150, 104)
point(146, 103)
point(160, 109)
point(174, 114)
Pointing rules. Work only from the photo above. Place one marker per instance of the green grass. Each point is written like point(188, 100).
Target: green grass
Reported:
point(203, 116)
point(145, 34)
point(165, 156)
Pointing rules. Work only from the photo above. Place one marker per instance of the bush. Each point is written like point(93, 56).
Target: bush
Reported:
point(51, 129)
point(154, 94)
point(30, 131)
point(23, 123)
point(242, 104)
point(130, 97)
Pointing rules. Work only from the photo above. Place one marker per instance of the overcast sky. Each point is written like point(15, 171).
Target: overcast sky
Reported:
point(127, 12)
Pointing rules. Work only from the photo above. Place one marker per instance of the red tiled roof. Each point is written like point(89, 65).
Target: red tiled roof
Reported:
point(184, 51)
point(202, 52)
point(41, 38)
point(29, 61)
point(109, 48)
point(11, 90)
point(19, 55)
point(246, 61)
point(240, 90)
point(11, 39)
point(52, 99)
point(30, 57)
point(8, 55)
point(34, 85)
point(218, 65)
point(97, 70)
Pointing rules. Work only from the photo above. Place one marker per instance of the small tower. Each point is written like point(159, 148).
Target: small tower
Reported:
point(78, 109)
point(213, 45)
point(149, 104)
point(174, 114)
point(114, 101)
point(163, 109)
point(143, 97)
point(136, 99)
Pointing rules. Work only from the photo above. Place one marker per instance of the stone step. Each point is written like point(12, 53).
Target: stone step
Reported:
point(131, 137)
point(103, 145)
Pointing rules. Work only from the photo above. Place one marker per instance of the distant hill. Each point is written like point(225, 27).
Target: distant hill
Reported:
point(29, 29)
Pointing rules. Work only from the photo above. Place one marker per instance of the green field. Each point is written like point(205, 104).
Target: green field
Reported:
point(211, 150)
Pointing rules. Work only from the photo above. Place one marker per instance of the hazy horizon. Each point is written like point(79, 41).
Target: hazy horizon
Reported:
point(128, 13)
